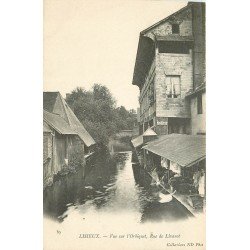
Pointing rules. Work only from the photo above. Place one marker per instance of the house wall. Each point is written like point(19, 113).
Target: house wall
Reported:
point(162, 108)
point(167, 64)
point(47, 155)
point(147, 97)
point(179, 65)
point(57, 148)
point(198, 121)
point(68, 147)
point(184, 19)
point(60, 152)
point(76, 151)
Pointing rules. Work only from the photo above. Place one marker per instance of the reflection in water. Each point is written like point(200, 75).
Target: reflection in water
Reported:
point(114, 186)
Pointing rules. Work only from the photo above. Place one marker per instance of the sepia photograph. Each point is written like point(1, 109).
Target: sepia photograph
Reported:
point(108, 125)
point(124, 124)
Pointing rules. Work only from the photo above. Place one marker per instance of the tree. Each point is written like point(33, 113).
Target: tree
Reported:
point(96, 109)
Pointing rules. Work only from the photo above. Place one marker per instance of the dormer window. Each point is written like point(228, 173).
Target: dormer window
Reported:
point(175, 28)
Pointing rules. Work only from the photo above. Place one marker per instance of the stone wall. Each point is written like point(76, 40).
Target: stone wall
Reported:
point(179, 65)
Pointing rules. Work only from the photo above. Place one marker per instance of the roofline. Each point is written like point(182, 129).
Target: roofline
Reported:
point(60, 96)
point(202, 89)
point(141, 40)
point(173, 160)
point(46, 120)
point(166, 18)
point(194, 162)
point(50, 124)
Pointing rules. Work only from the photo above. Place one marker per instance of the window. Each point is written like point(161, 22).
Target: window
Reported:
point(173, 86)
point(199, 104)
point(175, 28)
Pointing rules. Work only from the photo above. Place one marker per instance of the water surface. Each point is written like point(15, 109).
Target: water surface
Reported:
point(111, 186)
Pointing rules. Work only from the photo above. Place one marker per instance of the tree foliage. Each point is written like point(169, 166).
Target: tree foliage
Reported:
point(97, 111)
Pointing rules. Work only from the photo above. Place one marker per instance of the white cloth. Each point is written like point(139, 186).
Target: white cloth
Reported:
point(155, 178)
point(164, 163)
point(202, 186)
point(175, 168)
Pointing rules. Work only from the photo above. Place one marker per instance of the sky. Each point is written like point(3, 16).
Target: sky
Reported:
point(95, 41)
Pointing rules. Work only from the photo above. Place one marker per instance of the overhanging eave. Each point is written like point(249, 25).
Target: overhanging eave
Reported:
point(144, 57)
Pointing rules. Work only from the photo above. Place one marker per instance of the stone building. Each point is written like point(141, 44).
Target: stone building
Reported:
point(170, 73)
point(169, 69)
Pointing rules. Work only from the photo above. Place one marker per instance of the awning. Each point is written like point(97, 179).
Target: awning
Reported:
point(149, 132)
point(138, 141)
point(199, 89)
point(185, 150)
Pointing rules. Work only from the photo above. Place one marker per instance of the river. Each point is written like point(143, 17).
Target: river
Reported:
point(112, 185)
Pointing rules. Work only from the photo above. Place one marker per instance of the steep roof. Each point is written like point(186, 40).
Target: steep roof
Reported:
point(49, 100)
point(77, 125)
point(54, 103)
point(149, 132)
point(180, 148)
point(166, 18)
point(138, 141)
point(58, 123)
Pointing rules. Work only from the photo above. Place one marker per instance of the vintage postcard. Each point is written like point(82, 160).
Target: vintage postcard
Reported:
point(124, 125)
